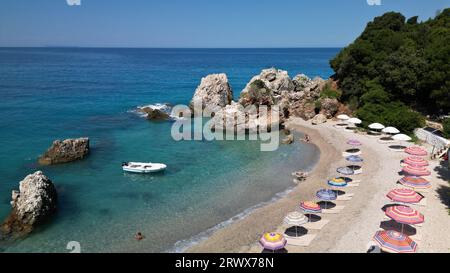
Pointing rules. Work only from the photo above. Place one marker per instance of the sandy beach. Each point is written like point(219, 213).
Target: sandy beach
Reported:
point(352, 228)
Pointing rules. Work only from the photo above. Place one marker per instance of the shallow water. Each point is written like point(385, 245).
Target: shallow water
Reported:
point(59, 93)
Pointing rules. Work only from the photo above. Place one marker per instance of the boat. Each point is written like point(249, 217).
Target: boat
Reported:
point(141, 167)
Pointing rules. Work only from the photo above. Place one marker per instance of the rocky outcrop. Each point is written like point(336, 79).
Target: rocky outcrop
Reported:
point(214, 91)
point(65, 151)
point(269, 84)
point(329, 107)
point(319, 119)
point(32, 205)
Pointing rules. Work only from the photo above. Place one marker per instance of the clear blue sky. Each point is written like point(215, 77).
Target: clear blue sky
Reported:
point(196, 23)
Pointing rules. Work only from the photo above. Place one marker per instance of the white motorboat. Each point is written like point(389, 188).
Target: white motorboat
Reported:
point(141, 167)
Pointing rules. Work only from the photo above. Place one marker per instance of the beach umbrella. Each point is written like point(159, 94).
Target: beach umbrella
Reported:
point(354, 158)
point(404, 196)
point(416, 150)
point(354, 142)
point(343, 117)
point(345, 171)
point(390, 130)
point(273, 241)
point(296, 219)
point(326, 195)
point(405, 215)
point(354, 121)
point(416, 171)
point(337, 182)
point(401, 137)
point(376, 126)
point(394, 242)
point(310, 207)
point(415, 161)
point(415, 182)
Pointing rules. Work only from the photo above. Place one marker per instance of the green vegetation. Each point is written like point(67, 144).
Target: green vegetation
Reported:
point(329, 92)
point(395, 66)
point(446, 125)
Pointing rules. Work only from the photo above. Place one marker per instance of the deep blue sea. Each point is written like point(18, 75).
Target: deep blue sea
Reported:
point(57, 93)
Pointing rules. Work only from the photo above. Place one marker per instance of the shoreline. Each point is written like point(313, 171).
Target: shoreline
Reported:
point(267, 217)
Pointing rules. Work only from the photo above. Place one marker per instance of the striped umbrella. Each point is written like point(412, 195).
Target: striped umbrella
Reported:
point(415, 182)
point(404, 196)
point(416, 171)
point(354, 158)
point(354, 142)
point(296, 219)
point(326, 195)
point(394, 242)
point(404, 215)
point(337, 182)
point(415, 161)
point(273, 241)
point(345, 170)
point(415, 150)
point(310, 207)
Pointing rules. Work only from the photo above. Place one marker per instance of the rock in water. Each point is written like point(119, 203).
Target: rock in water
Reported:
point(289, 139)
point(214, 91)
point(65, 151)
point(319, 119)
point(34, 203)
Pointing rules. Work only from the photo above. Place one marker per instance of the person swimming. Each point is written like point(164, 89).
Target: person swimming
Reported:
point(138, 236)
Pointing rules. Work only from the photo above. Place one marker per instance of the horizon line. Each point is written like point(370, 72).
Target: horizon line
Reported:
point(139, 47)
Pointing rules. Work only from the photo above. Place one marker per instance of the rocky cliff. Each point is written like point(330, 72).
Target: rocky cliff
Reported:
point(65, 151)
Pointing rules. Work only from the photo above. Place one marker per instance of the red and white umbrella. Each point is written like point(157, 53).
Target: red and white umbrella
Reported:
point(415, 161)
point(394, 242)
point(404, 196)
point(416, 171)
point(416, 150)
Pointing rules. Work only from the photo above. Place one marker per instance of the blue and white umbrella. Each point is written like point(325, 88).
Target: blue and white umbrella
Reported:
point(354, 158)
point(345, 171)
point(326, 195)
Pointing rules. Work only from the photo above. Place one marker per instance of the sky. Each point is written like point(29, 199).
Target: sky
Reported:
point(196, 23)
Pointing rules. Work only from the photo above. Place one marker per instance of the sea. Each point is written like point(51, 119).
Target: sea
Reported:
point(57, 93)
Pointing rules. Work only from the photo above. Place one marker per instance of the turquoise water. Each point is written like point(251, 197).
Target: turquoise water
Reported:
point(49, 93)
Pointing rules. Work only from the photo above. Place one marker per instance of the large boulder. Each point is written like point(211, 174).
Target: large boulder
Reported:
point(272, 82)
point(303, 109)
point(32, 205)
point(329, 107)
point(214, 91)
point(65, 151)
point(153, 113)
point(319, 119)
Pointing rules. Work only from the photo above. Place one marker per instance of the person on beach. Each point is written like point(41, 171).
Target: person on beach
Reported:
point(138, 236)
point(306, 138)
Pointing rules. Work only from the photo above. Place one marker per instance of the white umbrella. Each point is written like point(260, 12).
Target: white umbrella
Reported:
point(390, 130)
point(295, 219)
point(401, 137)
point(376, 126)
point(355, 121)
point(343, 117)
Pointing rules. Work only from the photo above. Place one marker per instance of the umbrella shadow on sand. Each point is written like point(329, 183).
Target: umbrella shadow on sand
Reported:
point(393, 225)
point(312, 218)
point(339, 192)
point(284, 250)
point(326, 204)
point(292, 232)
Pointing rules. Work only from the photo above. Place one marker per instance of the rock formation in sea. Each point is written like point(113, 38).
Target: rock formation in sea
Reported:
point(300, 97)
point(153, 113)
point(32, 205)
point(214, 91)
point(65, 151)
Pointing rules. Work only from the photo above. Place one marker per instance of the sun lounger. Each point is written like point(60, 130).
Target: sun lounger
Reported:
point(345, 197)
point(304, 240)
point(334, 210)
point(316, 225)
point(353, 184)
